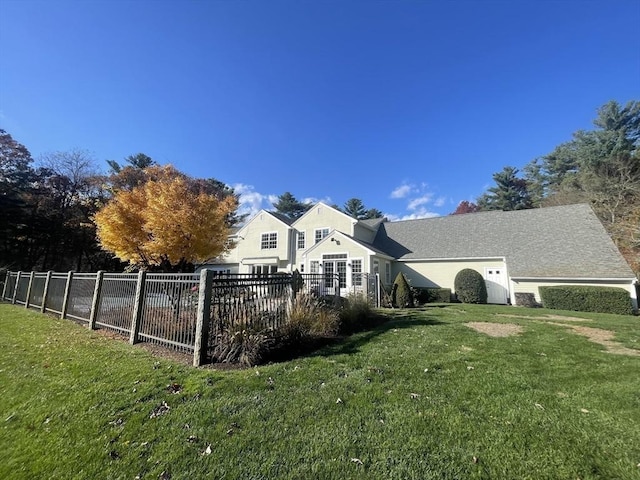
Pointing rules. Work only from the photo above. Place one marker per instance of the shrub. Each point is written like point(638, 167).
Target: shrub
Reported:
point(526, 300)
point(587, 299)
point(470, 286)
point(309, 316)
point(297, 282)
point(423, 295)
point(356, 314)
point(244, 347)
point(401, 293)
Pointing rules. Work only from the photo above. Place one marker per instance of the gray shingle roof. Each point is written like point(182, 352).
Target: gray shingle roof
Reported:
point(283, 218)
point(371, 222)
point(565, 241)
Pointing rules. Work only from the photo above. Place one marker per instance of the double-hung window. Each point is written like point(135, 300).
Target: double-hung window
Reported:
point(321, 233)
point(301, 241)
point(356, 272)
point(269, 241)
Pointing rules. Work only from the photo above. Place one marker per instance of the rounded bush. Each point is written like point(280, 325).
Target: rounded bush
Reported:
point(470, 286)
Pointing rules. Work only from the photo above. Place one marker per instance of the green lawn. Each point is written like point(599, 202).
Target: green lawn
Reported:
point(423, 396)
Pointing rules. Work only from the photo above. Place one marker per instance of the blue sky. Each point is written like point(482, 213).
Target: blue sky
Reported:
point(410, 106)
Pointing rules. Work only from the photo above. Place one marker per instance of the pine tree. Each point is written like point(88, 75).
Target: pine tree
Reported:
point(289, 206)
point(509, 193)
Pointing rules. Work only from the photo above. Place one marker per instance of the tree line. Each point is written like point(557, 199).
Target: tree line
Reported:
point(63, 214)
point(600, 167)
point(292, 208)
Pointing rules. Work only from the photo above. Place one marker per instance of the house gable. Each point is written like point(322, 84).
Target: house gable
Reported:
point(322, 216)
point(265, 239)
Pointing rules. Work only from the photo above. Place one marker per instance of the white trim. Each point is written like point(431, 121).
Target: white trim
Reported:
point(321, 229)
point(272, 232)
point(453, 259)
point(256, 216)
point(320, 204)
point(298, 232)
point(260, 261)
point(577, 279)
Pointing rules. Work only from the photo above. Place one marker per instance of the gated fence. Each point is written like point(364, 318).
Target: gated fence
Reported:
point(186, 312)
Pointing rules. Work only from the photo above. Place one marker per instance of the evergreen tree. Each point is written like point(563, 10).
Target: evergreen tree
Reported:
point(289, 206)
point(354, 208)
point(373, 213)
point(402, 296)
point(600, 167)
point(509, 193)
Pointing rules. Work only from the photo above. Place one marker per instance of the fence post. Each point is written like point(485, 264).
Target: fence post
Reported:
point(96, 300)
point(138, 307)
point(15, 288)
point(67, 293)
point(6, 282)
point(28, 297)
point(45, 292)
point(204, 313)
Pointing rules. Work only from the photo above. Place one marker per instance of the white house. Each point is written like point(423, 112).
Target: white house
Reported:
point(515, 251)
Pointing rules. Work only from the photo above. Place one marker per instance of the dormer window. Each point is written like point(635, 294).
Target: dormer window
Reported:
point(269, 241)
point(321, 233)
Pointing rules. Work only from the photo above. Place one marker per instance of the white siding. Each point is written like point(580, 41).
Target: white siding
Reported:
point(323, 216)
point(441, 273)
point(248, 244)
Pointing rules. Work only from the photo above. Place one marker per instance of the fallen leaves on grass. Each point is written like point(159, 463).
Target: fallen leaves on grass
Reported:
point(160, 410)
point(207, 451)
point(174, 388)
point(232, 428)
point(357, 461)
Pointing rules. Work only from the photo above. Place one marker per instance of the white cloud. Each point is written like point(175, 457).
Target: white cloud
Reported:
point(420, 213)
point(417, 202)
point(251, 202)
point(402, 191)
point(440, 202)
point(326, 200)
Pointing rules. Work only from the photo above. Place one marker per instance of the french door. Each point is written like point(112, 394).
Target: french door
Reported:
point(331, 267)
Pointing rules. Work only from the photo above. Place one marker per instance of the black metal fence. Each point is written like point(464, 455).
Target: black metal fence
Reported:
point(187, 312)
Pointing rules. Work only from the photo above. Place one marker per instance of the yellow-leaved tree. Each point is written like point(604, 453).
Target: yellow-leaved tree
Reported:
point(170, 221)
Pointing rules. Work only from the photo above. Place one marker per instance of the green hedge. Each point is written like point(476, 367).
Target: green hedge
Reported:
point(587, 299)
point(424, 295)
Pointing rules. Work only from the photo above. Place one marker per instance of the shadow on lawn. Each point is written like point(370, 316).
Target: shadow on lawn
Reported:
point(352, 343)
